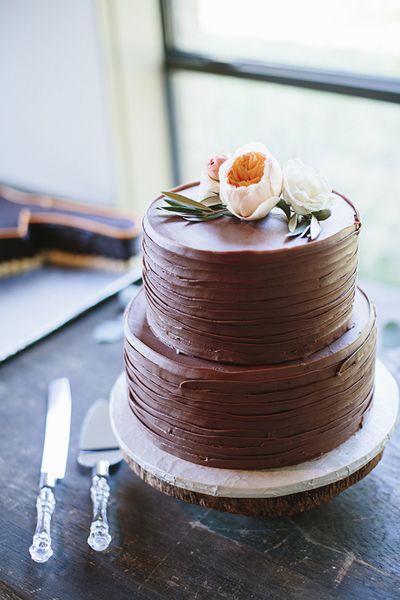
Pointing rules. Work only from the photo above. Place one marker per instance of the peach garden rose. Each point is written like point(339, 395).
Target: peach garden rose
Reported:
point(250, 182)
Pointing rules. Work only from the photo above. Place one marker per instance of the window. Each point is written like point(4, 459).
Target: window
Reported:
point(359, 36)
point(310, 80)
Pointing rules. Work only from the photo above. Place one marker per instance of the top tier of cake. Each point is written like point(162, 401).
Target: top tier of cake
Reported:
point(244, 292)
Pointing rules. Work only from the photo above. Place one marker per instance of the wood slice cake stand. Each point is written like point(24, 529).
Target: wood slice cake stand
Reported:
point(273, 492)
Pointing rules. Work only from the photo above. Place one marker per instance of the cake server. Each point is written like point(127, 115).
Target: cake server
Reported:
point(99, 450)
point(54, 461)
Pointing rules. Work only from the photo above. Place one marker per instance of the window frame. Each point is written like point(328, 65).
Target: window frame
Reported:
point(384, 89)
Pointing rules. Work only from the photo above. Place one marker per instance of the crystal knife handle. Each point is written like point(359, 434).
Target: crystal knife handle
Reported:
point(99, 538)
point(41, 550)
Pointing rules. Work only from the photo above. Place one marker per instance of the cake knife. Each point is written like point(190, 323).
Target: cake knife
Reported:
point(99, 450)
point(54, 461)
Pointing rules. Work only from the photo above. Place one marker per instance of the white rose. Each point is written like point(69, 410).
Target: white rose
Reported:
point(305, 188)
point(250, 182)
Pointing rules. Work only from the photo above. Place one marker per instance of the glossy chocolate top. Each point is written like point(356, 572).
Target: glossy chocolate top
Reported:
point(230, 235)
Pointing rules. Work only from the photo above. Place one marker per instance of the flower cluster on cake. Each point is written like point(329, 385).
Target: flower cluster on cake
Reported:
point(249, 184)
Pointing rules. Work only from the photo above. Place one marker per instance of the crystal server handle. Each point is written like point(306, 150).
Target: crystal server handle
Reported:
point(99, 538)
point(40, 549)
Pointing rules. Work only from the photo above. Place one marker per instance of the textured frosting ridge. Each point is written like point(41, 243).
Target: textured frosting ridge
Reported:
point(256, 417)
point(246, 305)
point(246, 350)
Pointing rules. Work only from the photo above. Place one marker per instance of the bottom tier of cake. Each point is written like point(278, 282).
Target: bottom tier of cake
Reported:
point(240, 417)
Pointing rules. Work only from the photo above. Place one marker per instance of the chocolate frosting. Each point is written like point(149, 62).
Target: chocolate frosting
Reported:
point(243, 292)
point(249, 350)
point(250, 417)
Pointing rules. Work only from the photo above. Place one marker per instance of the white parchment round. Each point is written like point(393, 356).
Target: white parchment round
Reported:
point(229, 483)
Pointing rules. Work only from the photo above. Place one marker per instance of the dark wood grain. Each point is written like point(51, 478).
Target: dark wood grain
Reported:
point(279, 506)
point(163, 548)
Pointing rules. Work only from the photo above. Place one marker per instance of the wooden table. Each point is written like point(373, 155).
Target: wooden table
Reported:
point(163, 548)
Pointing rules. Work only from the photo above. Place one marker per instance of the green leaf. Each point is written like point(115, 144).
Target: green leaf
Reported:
point(186, 201)
point(315, 228)
point(205, 217)
point(212, 201)
point(179, 206)
point(190, 210)
point(179, 209)
point(190, 214)
point(219, 207)
point(306, 231)
point(300, 229)
point(285, 207)
point(322, 215)
point(292, 222)
point(221, 213)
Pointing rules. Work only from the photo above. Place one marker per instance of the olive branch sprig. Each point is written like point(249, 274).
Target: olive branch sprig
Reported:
point(303, 225)
point(210, 208)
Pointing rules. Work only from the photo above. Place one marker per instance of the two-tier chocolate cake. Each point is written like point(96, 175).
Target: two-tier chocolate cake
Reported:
point(249, 348)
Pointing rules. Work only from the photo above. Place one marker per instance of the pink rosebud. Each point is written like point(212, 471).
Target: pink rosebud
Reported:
point(214, 164)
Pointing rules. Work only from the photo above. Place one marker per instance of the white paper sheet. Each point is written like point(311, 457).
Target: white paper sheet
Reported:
point(35, 303)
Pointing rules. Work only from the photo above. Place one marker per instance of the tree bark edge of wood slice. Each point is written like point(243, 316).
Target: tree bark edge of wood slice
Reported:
point(280, 506)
